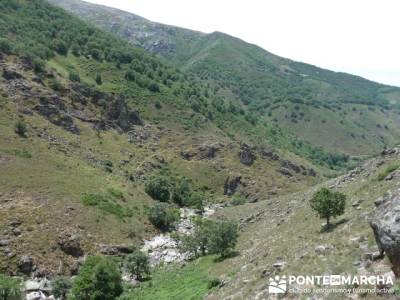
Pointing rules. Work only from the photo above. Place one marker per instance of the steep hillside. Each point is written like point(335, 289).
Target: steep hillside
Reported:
point(309, 107)
point(86, 120)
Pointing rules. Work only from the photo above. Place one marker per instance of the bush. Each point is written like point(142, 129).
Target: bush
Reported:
point(159, 188)
point(99, 80)
point(210, 237)
point(74, 77)
point(195, 200)
point(55, 85)
point(61, 286)
point(212, 283)
point(238, 199)
point(5, 46)
point(154, 87)
point(163, 216)
point(387, 171)
point(182, 192)
point(138, 264)
point(20, 128)
point(10, 288)
point(328, 204)
point(99, 278)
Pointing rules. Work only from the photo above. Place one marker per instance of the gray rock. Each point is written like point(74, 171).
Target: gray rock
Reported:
point(231, 185)
point(70, 244)
point(246, 155)
point(386, 227)
point(26, 264)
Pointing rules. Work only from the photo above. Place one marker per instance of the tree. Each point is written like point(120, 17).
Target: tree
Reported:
point(137, 263)
point(10, 288)
point(74, 77)
point(20, 128)
point(223, 238)
point(61, 285)
point(210, 237)
point(5, 46)
point(163, 216)
point(98, 279)
point(159, 188)
point(328, 204)
point(182, 192)
point(99, 80)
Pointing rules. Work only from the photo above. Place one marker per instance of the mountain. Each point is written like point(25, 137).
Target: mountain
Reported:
point(317, 108)
point(105, 147)
point(87, 121)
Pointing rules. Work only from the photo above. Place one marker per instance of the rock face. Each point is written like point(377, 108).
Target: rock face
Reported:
point(386, 227)
point(231, 185)
point(26, 265)
point(70, 244)
point(246, 155)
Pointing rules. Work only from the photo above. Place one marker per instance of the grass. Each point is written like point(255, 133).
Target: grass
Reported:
point(388, 170)
point(187, 282)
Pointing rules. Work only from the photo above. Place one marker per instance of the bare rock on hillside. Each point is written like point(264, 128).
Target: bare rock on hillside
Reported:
point(386, 227)
point(246, 155)
point(70, 244)
point(26, 264)
point(231, 185)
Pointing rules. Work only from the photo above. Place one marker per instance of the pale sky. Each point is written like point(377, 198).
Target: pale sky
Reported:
point(355, 36)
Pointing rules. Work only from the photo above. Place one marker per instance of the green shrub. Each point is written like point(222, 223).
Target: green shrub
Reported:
point(159, 188)
point(237, 199)
point(99, 80)
point(387, 171)
point(5, 46)
point(55, 85)
point(98, 278)
point(154, 87)
point(61, 286)
point(210, 237)
point(138, 264)
point(164, 216)
point(74, 77)
point(20, 128)
point(10, 288)
point(182, 192)
point(212, 283)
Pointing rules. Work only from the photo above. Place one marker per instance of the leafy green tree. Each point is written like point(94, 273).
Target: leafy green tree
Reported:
point(74, 77)
point(99, 80)
point(328, 204)
point(159, 188)
point(163, 216)
point(223, 238)
point(10, 288)
point(137, 263)
point(98, 279)
point(61, 286)
point(210, 237)
point(20, 128)
point(5, 46)
point(182, 192)
point(154, 87)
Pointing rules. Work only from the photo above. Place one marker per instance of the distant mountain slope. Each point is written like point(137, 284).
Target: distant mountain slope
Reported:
point(315, 107)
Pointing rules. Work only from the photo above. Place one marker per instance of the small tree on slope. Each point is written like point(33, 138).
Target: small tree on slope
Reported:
point(328, 204)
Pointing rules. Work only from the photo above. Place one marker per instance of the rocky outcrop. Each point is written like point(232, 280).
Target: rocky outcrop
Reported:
point(70, 244)
point(116, 250)
point(231, 185)
point(246, 155)
point(119, 115)
point(386, 227)
point(26, 265)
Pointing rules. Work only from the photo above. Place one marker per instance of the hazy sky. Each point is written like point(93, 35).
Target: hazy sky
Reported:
point(355, 36)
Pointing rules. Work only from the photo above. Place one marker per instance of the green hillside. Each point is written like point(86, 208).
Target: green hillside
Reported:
point(339, 112)
point(86, 120)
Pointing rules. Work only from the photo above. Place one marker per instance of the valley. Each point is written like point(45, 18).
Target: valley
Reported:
point(121, 137)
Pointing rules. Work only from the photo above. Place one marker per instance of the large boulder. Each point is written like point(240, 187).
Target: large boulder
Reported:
point(231, 185)
point(70, 244)
point(26, 265)
point(386, 227)
point(246, 155)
